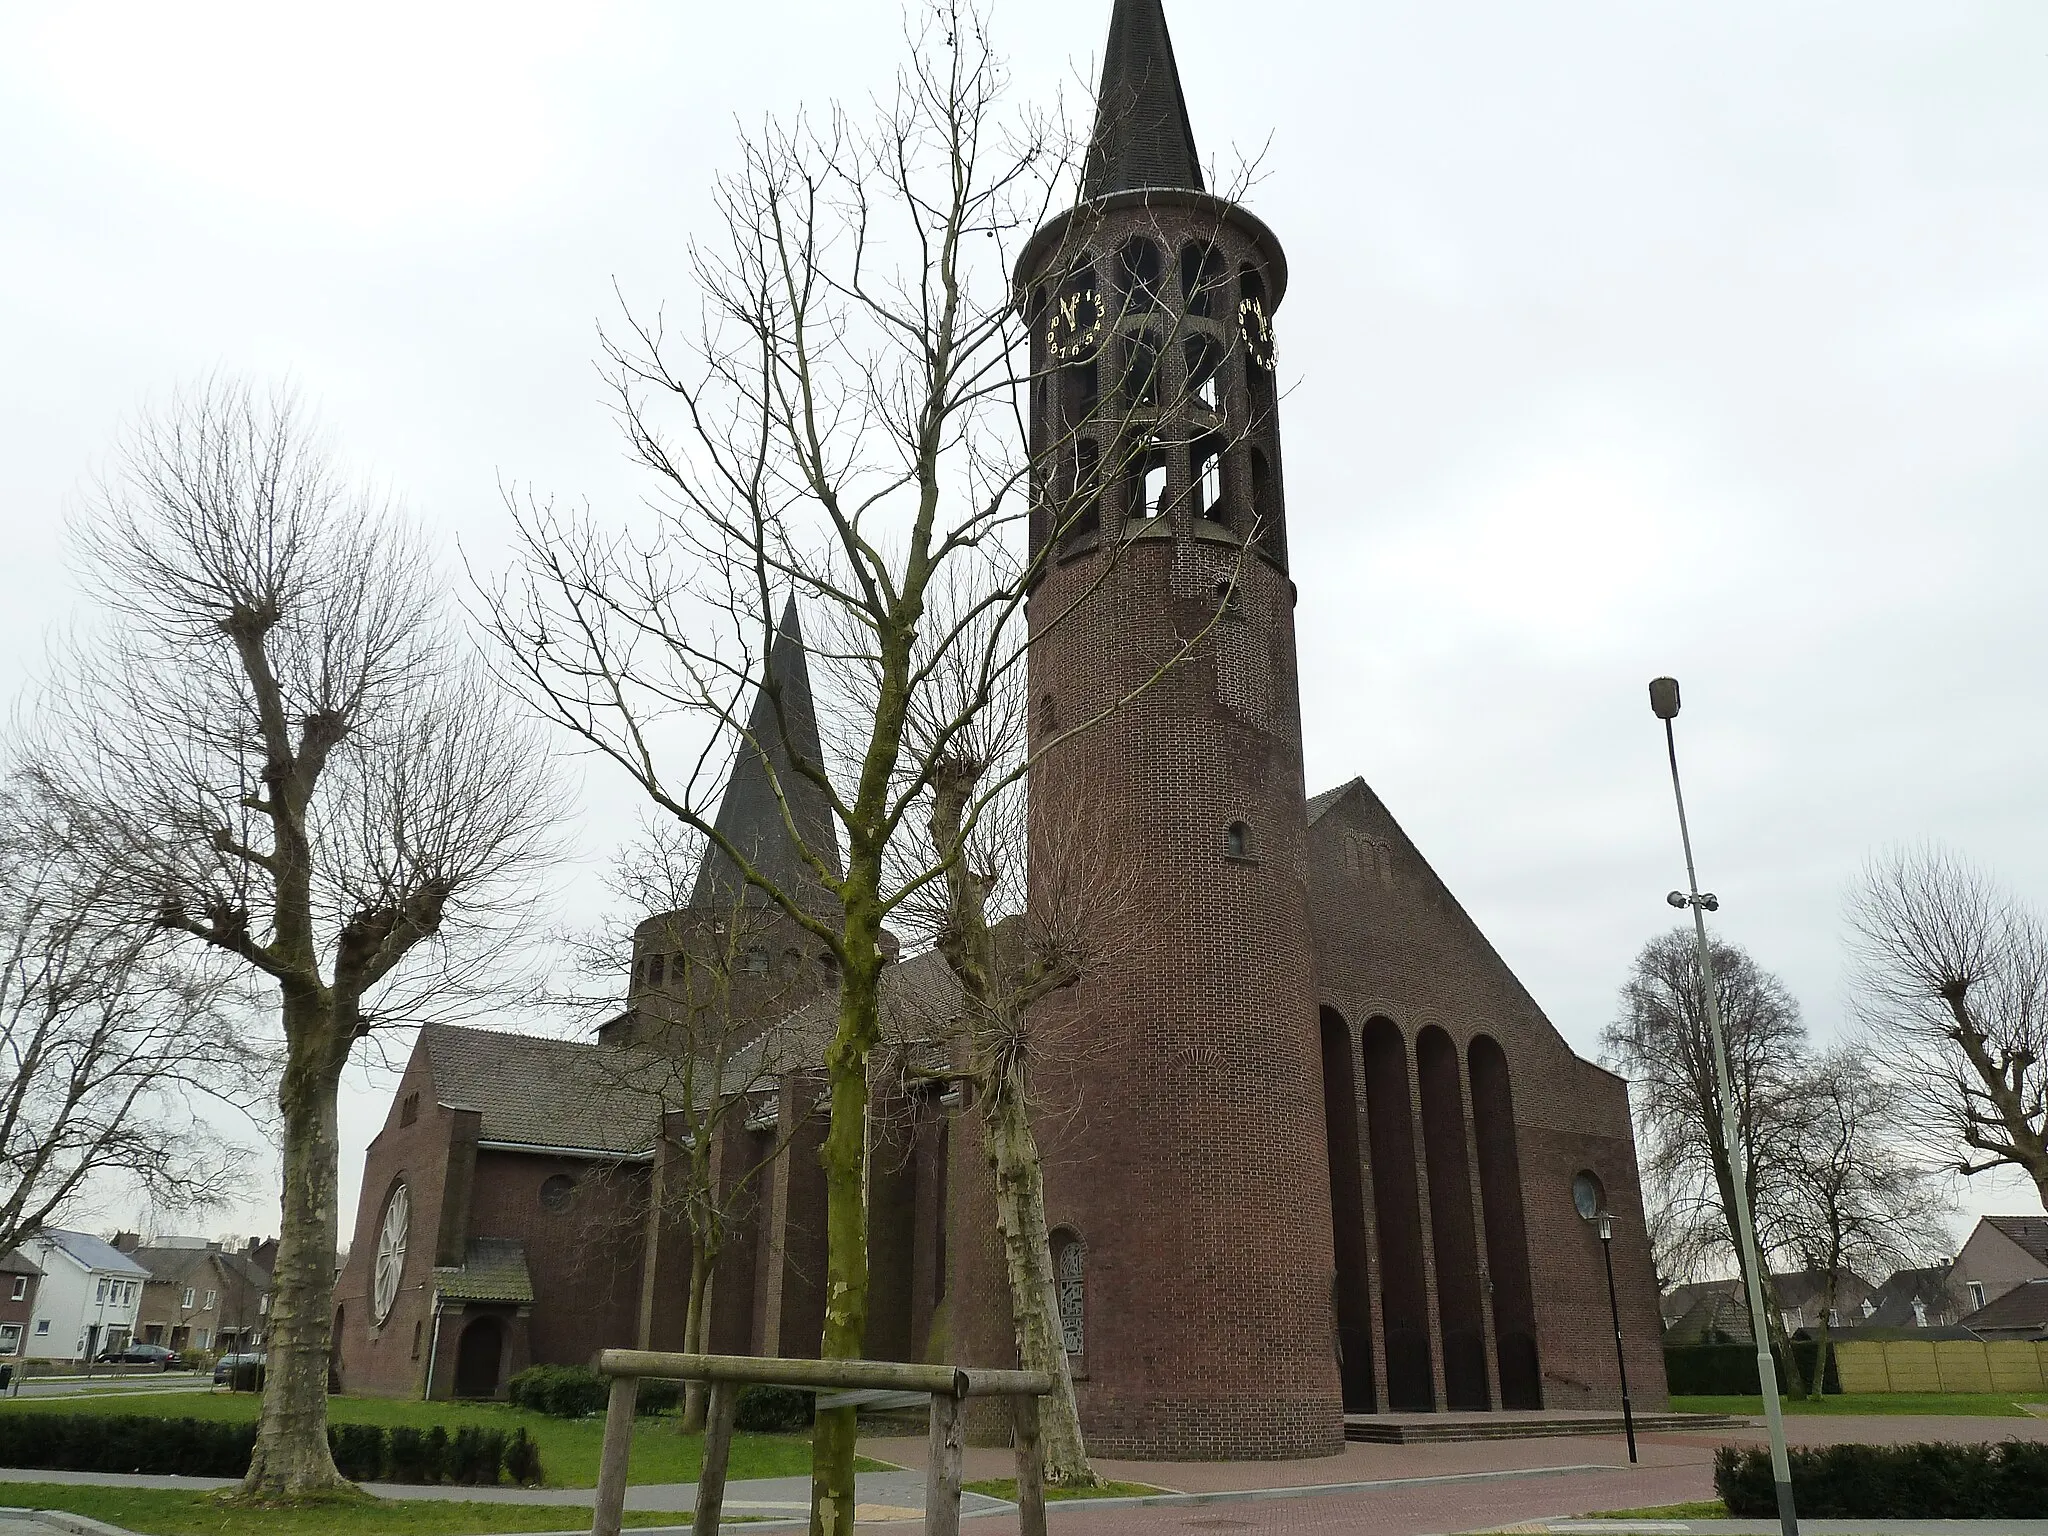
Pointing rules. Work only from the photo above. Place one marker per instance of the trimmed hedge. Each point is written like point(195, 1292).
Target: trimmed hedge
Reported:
point(84, 1442)
point(1933, 1480)
point(1729, 1370)
point(764, 1410)
point(575, 1392)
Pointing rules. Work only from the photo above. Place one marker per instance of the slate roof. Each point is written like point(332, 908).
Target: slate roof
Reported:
point(2023, 1309)
point(175, 1266)
point(2030, 1232)
point(493, 1269)
point(1142, 135)
point(548, 1092)
point(750, 816)
point(94, 1253)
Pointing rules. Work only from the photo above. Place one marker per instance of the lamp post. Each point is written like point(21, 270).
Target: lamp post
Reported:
point(1628, 1414)
point(1664, 704)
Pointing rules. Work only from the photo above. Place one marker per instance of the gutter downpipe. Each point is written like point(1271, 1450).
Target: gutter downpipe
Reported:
point(433, 1348)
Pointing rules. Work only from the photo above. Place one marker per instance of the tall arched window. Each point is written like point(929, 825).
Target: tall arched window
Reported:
point(1143, 271)
point(1068, 1267)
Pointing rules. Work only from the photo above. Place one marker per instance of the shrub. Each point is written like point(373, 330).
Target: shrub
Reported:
point(83, 1442)
point(434, 1455)
point(359, 1451)
point(658, 1396)
point(1729, 1370)
point(564, 1391)
point(476, 1455)
point(763, 1410)
point(1933, 1480)
point(407, 1455)
point(522, 1459)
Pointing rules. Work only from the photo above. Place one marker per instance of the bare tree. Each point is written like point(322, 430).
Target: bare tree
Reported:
point(1660, 1042)
point(111, 1053)
point(277, 753)
point(1850, 1197)
point(1953, 976)
point(851, 432)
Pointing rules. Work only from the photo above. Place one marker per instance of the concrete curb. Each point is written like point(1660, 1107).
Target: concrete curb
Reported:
point(64, 1520)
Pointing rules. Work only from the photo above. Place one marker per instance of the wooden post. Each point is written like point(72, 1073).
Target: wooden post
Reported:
point(618, 1449)
point(942, 1472)
point(717, 1450)
point(1030, 1466)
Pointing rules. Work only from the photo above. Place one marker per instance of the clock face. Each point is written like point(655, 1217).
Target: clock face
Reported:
point(1073, 325)
point(1257, 331)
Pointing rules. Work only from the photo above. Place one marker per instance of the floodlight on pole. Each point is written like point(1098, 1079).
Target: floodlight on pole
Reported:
point(1664, 703)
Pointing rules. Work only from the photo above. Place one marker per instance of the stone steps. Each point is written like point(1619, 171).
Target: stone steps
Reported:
point(1433, 1428)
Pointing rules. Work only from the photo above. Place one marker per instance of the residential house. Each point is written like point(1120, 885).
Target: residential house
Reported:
point(2021, 1313)
point(1928, 1297)
point(1709, 1310)
point(2004, 1252)
point(87, 1298)
point(19, 1278)
point(201, 1295)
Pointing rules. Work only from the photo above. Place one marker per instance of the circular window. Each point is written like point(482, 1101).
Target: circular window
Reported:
point(390, 1252)
point(556, 1191)
point(1588, 1195)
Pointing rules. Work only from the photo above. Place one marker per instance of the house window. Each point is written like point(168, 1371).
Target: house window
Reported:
point(202, 1338)
point(211, 1298)
point(1976, 1294)
point(1068, 1265)
point(757, 960)
point(187, 1302)
point(101, 1299)
point(556, 1191)
point(409, 1108)
point(263, 1305)
point(1919, 1313)
point(1834, 1318)
point(10, 1338)
point(42, 1327)
point(21, 1287)
point(1869, 1310)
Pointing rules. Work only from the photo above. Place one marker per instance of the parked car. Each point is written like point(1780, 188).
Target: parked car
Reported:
point(141, 1354)
point(224, 1368)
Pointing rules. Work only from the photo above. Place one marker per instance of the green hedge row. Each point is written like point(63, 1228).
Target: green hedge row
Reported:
point(575, 1392)
point(1729, 1370)
point(1933, 1480)
point(84, 1442)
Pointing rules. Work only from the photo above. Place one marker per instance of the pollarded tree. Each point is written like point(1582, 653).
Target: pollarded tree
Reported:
point(274, 748)
point(1952, 974)
point(111, 1053)
point(841, 432)
point(1659, 1040)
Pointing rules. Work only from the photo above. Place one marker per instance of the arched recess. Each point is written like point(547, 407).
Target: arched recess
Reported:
point(1507, 1237)
point(1347, 1216)
point(1397, 1213)
point(477, 1357)
point(1461, 1322)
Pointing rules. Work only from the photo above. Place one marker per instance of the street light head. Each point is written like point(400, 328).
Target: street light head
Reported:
point(1677, 899)
point(1710, 901)
point(1664, 697)
point(1606, 1227)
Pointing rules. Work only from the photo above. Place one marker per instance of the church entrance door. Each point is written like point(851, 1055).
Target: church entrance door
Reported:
point(476, 1358)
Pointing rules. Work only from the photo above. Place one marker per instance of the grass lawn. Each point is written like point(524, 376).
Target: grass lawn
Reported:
point(173, 1512)
point(1993, 1405)
point(568, 1447)
point(1006, 1488)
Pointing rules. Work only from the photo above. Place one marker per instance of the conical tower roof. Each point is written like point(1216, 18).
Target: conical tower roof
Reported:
point(750, 817)
point(1142, 136)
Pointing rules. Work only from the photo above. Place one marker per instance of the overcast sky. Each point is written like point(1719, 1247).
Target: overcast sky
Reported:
point(1623, 339)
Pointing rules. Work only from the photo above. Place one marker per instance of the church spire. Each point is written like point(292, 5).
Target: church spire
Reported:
point(1142, 137)
point(750, 817)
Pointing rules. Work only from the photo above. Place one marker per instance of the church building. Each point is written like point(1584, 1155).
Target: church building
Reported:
point(1318, 1150)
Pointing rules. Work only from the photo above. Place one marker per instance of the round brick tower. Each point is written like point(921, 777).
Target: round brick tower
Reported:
point(1187, 1177)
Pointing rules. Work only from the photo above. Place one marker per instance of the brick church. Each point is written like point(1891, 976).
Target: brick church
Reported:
point(1320, 1151)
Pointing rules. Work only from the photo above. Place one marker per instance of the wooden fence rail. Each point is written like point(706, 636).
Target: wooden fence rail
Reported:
point(947, 1386)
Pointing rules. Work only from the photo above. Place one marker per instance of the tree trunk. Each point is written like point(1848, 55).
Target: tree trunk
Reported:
point(1027, 1255)
point(1793, 1385)
point(844, 1158)
point(696, 1323)
point(291, 1457)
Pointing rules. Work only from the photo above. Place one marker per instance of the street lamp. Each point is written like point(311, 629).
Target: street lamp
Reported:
point(1587, 1195)
point(1664, 704)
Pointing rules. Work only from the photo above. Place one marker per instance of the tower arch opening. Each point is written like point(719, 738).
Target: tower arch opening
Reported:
point(1460, 1304)
point(1397, 1213)
point(1507, 1240)
point(1347, 1217)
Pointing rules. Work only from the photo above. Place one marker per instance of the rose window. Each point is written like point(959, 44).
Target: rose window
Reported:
point(390, 1252)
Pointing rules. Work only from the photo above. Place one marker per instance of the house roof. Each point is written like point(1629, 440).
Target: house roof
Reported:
point(15, 1262)
point(1891, 1304)
point(2024, 1308)
point(2029, 1232)
point(94, 1253)
point(492, 1269)
point(546, 1092)
point(180, 1266)
point(1142, 135)
point(1317, 804)
point(752, 815)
